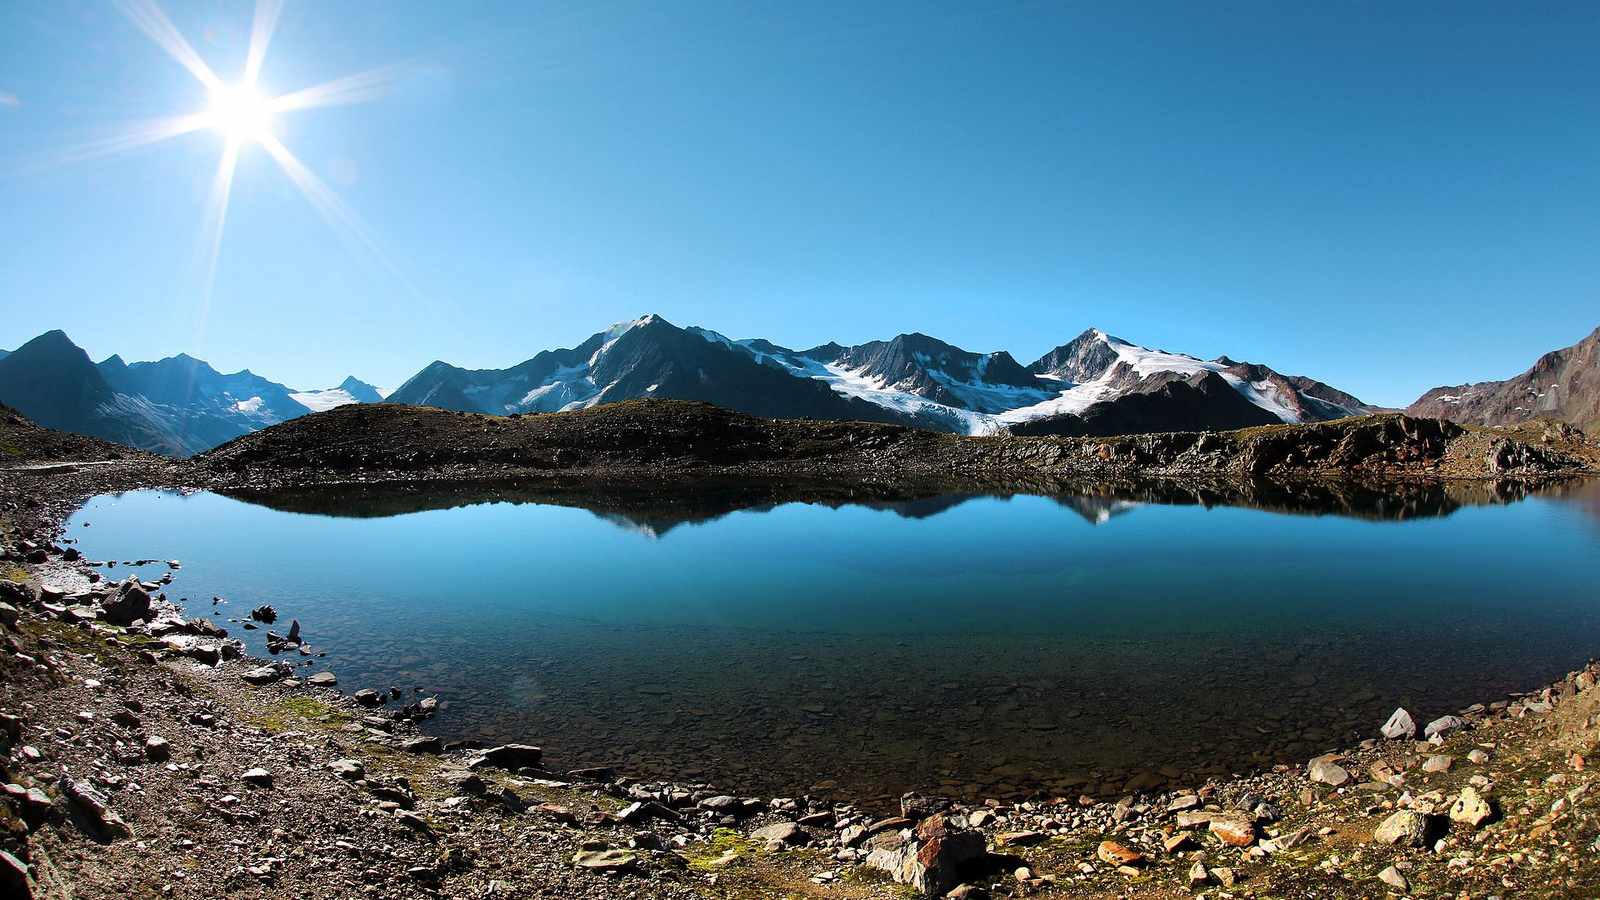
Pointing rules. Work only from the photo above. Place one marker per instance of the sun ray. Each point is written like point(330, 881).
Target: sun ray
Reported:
point(265, 22)
point(138, 134)
point(363, 87)
point(216, 217)
point(154, 23)
point(344, 220)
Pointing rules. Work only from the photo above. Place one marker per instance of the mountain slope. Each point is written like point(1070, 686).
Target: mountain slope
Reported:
point(51, 381)
point(206, 406)
point(1563, 384)
point(1201, 402)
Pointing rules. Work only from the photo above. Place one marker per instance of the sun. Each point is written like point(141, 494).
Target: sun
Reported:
point(240, 113)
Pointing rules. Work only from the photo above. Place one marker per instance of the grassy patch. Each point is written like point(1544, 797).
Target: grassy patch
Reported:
point(16, 573)
point(726, 846)
point(298, 713)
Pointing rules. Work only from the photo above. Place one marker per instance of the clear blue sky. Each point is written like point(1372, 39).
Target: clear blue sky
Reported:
point(1385, 196)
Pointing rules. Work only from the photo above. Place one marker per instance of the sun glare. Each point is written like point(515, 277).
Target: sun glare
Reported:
point(240, 113)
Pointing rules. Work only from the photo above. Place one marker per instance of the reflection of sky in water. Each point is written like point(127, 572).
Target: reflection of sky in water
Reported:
point(557, 620)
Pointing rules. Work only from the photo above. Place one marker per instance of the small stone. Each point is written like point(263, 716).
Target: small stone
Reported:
point(157, 748)
point(348, 769)
point(258, 777)
point(1020, 838)
point(1392, 877)
point(368, 697)
point(1438, 763)
point(1114, 854)
point(423, 745)
point(510, 757)
point(604, 860)
point(1235, 831)
point(1478, 757)
point(1198, 876)
point(1179, 841)
point(322, 679)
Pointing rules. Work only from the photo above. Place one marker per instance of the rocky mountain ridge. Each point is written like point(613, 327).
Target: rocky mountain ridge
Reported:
point(1562, 384)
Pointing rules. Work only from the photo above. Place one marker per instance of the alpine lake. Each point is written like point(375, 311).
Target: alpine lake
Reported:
point(1089, 641)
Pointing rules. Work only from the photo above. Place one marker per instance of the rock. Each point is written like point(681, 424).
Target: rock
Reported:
point(1406, 828)
point(1324, 770)
point(368, 697)
point(14, 877)
point(263, 675)
point(1470, 809)
point(293, 637)
point(1392, 877)
point(1183, 802)
point(131, 604)
point(605, 860)
point(509, 756)
point(1235, 831)
point(1114, 854)
point(9, 615)
point(1438, 763)
point(781, 834)
point(1478, 757)
point(1194, 818)
point(264, 613)
point(322, 679)
point(348, 769)
point(1020, 838)
point(932, 863)
point(721, 803)
point(157, 748)
point(1198, 876)
point(423, 745)
point(1180, 841)
point(649, 809)
point(1443, 726)
point(258, 777)
point(1400, 726)
point(94, 808)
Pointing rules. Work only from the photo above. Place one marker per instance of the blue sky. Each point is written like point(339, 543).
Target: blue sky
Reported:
point(1386, 198)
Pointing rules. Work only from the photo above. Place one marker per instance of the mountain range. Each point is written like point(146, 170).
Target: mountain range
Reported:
point(1093, 385)
point(178, 406)
point(913, 379)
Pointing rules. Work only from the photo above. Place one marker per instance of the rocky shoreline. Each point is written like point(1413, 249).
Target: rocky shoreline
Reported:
point(151, 759)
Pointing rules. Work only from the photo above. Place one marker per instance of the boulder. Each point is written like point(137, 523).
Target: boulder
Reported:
point(1406, 828)
point(130, 604)
point(1400, 726)
point(781, 834)
point(264, 613)
point(1392, 877)
point(322, 679)
point(1443, 726)
point(1470, 809)
point(94, 808)
point(510, 757)
point(1325, 770)
point(1438, 763)
point(932, 862)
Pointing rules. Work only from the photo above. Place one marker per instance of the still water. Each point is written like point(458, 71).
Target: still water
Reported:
point(973, 645)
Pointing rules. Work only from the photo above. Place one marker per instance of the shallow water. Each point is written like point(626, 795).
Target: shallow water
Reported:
point(980, 646)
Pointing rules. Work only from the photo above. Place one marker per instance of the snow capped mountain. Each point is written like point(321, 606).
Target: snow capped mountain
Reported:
point(351, 390)
point(912, 378)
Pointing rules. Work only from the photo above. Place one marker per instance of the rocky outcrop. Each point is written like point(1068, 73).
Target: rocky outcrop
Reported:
point(1563, 384)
